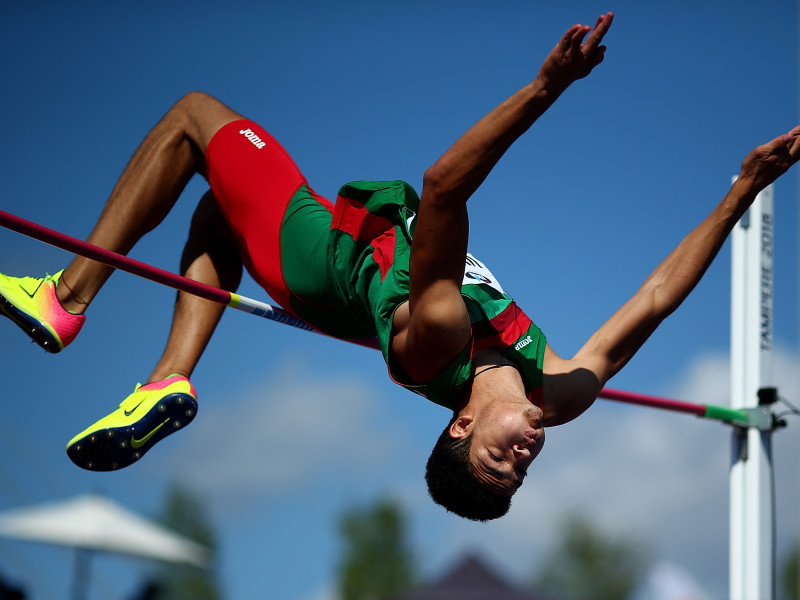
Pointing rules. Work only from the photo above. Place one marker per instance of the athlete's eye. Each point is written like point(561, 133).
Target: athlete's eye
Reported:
point(495, 458)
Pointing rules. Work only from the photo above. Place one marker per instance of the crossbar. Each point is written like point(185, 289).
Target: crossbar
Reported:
point(273, 313)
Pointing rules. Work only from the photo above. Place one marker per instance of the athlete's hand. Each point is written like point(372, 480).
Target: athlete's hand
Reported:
point(572, 58)
point(771, 160)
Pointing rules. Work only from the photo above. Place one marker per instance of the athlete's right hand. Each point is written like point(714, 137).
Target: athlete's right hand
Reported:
point(572, 58)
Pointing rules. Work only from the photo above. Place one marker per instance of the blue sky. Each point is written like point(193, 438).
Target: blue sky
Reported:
point(294, 428)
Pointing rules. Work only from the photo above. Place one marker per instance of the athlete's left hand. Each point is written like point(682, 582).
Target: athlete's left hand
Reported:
point(771, 160)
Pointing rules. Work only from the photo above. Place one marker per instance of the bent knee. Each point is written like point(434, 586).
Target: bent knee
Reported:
point(208, 217)
point(201, 115)
point(196, 102)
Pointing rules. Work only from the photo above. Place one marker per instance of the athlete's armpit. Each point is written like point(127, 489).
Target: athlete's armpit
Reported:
point(569, 388)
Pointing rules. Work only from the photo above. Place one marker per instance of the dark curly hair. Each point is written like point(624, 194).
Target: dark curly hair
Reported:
point(452, 485)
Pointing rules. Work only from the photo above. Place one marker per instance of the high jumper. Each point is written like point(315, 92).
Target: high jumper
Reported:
point(380, 262)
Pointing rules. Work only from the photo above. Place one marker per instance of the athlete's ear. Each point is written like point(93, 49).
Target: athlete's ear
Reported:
point(462, 427)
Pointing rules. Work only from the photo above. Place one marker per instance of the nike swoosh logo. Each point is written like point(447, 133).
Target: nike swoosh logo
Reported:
point(128, 413)
point(139, 443)
point(33, 293)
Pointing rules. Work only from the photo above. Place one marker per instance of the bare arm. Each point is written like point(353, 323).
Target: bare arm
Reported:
point(437, 326)
point(572, 385)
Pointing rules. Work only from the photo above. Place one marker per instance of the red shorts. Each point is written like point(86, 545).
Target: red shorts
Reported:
point(253, 179)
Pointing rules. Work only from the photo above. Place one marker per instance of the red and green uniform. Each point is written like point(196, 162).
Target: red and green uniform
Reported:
point(344, 269)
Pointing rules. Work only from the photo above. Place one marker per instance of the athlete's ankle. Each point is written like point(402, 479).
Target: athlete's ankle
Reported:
point(68, 299)
point(159, 376)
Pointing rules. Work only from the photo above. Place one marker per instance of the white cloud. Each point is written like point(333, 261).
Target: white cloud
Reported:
point(273, 435)
point(670, 582)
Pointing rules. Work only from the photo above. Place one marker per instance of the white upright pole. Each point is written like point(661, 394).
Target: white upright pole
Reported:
point(751, 534)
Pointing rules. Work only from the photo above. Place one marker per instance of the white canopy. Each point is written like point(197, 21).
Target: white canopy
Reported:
point(97, 523)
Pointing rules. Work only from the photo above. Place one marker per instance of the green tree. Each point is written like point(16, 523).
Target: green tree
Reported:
point(588, 565)
point(185, 513)
point(790, 573)
point(377, 563)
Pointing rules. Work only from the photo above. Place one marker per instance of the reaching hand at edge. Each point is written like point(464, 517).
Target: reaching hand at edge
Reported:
point(769, 161)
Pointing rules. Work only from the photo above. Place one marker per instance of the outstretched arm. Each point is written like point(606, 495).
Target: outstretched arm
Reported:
point(462, 169)
point(572, 385)
point(438, 324)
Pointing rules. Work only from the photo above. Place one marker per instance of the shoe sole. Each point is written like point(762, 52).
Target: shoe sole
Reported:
point(112, 448)
point(31, 326)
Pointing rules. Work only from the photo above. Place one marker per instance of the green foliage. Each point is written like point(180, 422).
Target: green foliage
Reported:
point(790, 573)
point(587, 565)
point(184, 513)
point(376, 563)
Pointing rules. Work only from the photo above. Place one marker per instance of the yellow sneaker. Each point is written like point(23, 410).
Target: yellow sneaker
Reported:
point(32, 304)
point(147, 416)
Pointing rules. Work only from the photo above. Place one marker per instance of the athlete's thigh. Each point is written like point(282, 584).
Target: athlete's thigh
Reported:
point(254, 179)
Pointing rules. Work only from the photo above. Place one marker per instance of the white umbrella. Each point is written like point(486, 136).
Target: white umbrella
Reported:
point(92, 522)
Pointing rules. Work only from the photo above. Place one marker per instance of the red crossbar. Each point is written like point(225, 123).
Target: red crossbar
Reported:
point(653, 401)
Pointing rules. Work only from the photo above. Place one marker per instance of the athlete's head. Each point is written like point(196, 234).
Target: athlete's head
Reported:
point(482, 456)
point(452, 484)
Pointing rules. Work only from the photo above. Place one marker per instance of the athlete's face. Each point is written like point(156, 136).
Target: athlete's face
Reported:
point(506, 438)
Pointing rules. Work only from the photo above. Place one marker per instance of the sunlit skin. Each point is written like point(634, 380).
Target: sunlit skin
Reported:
point(502, 451)
point(507, 429)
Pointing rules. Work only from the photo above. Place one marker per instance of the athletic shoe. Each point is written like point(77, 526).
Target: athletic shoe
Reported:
point(32, 304)
point(144, 418)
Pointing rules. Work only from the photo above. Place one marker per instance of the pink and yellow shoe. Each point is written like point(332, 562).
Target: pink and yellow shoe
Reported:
point(32, 304)
point(147, 416)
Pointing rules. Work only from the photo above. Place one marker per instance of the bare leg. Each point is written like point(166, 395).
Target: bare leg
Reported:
point(210, 256)
point(147, 190)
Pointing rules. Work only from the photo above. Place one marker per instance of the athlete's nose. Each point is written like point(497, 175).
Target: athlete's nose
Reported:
point(521, 450)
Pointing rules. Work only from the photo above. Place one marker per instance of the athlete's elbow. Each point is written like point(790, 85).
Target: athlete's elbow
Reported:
point(660, 299)
point(440, 186)
point(434, 183)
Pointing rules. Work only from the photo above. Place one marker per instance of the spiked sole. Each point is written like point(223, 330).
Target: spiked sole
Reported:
point(109, 448)
point(38, 332)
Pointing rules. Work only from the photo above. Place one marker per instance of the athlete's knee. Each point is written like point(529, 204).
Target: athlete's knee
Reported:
point(210, 234)
point(208, 217)
point(195, 102)
point(201, 115)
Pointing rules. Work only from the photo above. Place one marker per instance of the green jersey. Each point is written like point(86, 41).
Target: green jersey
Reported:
point(367, 272)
